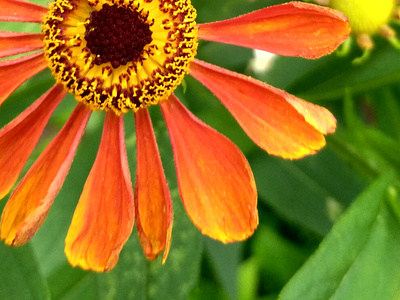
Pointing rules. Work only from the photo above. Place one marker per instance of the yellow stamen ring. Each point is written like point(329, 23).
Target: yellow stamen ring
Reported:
point(149, 78)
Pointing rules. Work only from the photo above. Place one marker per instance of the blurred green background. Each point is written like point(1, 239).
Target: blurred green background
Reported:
point(329, 223)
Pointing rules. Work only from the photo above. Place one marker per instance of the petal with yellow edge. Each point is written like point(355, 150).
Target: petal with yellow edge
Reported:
point(19, 137)
point(292, 29)
point(21, 11)
point(16, 71)
point(104, 216)
point(30, 202)
point(12, 43)
point(153, 205)
point(276, 121)
point(215, 180)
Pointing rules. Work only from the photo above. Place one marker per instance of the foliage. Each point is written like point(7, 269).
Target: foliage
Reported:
point(329, 223)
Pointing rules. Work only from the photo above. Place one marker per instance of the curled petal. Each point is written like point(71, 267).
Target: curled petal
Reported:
point(15, 72)
point(31, 200)
point(12, 43)
point(215, 180)
point(19, 137)
point(317, 116)
point(21, 11)
point(278, 122)
point(104, 217)
point(153, 203)
point(292, 29)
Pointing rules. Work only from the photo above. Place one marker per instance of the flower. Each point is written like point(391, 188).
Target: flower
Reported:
point(368, 18)
point(121, 56)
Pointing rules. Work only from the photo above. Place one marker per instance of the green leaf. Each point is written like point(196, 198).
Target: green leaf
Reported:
point(384, 146)
point(367, 148)
point(20, 276)
point(302, 191)
point(249, 275)
point(359, 258)
point(330, 80)
point(386, 108)
point(72, 283)
point(225, 259)
point(272, 251)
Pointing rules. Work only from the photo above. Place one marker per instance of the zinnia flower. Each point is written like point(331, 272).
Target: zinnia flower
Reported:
point(122, 56)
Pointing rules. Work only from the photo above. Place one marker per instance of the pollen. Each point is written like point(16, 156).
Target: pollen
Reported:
point(120, 55)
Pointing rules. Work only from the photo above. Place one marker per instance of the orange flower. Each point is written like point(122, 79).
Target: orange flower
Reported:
point(125, 56)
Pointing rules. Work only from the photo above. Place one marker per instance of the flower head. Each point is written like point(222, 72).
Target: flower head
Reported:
point(368, 18)
point(121, 56)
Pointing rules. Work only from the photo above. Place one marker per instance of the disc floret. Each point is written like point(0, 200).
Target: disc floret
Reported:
point(120, 55)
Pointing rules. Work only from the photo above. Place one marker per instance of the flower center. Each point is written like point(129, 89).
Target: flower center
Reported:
point(365, 16)
point(116, 35)
point(120, 55)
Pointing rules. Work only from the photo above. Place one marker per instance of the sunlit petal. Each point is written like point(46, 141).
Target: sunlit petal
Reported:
point(12, 43)
point(104, 217)
point(293, 29)
point(279, 123)
point(215, 181)
point(21, 11)
point(319, 117)
point(21, 69)
point(19, 137)
point(31, 201)
point(152, 198)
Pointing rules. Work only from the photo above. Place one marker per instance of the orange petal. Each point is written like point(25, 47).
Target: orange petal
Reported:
point(12, 43)
point(31, 200)
point(21, 11)
point(104, 217)
point(15, 72)
point(319, 117)
point(278, 122)
point(152, 198)
point(19, 137)
point(293, 29)
point(215, 180)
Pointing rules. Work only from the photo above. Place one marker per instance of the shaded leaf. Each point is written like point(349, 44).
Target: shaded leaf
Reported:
point(359, 258)
point(272, 251)
point(226, 260)
point(67, 283)
point(329, 80)
point(20, 276)
point(301, 190)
